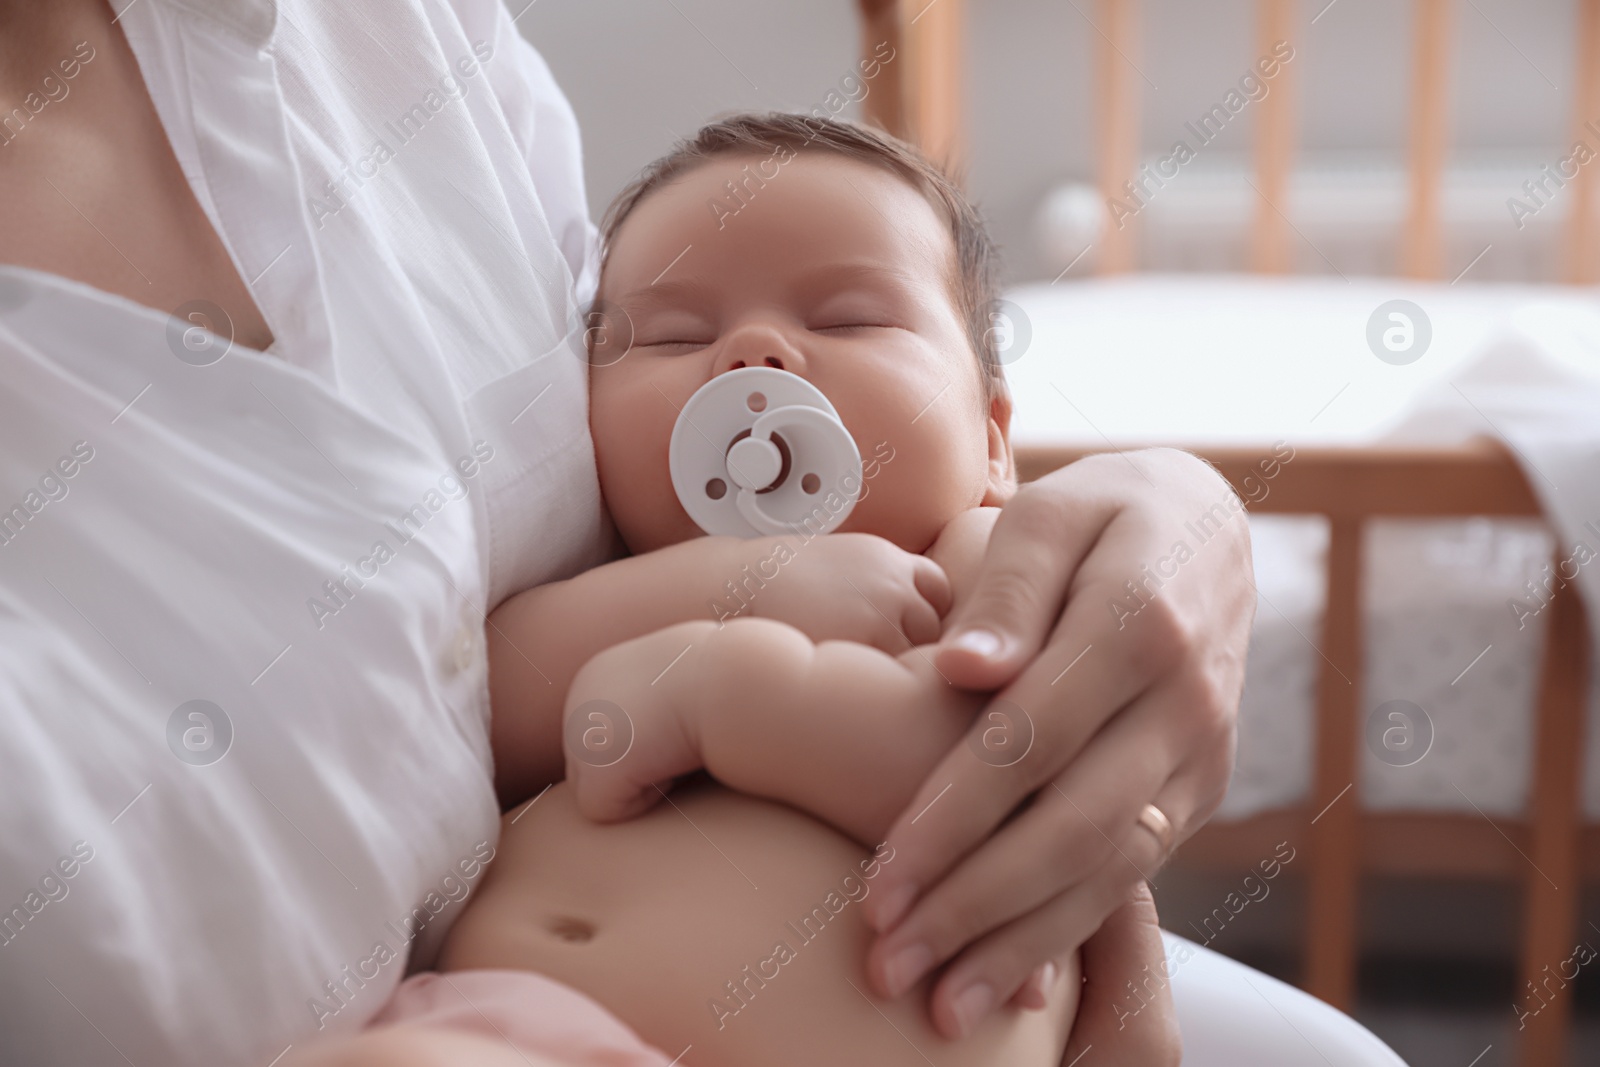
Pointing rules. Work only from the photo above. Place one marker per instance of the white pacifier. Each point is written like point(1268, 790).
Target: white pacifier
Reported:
point(761, 451)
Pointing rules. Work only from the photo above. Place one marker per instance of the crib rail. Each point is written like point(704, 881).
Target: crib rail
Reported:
point(927, 106)
point(1350, 487)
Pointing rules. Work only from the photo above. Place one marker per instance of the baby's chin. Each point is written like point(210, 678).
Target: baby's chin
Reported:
point(650, 533)
point(911, 528)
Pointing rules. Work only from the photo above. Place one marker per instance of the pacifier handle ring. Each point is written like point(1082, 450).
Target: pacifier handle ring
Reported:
point(750, 504)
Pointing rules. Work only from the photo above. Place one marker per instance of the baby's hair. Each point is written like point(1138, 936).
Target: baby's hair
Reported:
point(763, 133)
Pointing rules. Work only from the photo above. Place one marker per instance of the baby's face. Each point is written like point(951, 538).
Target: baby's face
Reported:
point(836, 271)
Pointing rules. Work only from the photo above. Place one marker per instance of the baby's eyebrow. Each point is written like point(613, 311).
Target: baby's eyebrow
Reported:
point(831, 276)
point(669, 294)
point(838, 275)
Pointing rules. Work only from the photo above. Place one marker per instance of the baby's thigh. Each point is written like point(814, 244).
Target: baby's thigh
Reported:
point(725, 925)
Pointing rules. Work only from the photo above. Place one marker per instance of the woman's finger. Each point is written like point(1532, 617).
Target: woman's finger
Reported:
point(991, 970)
point(1007, 953)
point(1068, 833)
point(1125, 952)
point(1038, 541)
point(1020, 741)
point(1034, 992)
point(1003, 960)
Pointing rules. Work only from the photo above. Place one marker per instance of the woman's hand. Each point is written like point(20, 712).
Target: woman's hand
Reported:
point(1114, 609)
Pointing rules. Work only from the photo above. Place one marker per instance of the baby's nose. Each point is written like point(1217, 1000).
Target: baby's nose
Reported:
point(773, 361)
point(759, 344)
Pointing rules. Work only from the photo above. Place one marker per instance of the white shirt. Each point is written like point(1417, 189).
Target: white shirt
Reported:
point(306, 540)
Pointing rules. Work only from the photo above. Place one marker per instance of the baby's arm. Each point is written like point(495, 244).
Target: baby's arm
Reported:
point(844, 585)
point(837, 729)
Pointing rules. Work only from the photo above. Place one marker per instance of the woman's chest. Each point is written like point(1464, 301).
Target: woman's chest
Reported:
point(94, 192)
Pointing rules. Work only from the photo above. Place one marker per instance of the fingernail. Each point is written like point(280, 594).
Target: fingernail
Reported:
point(1047, 981)
point(895, 904)
point(985, 643)
point(971, 1005)
point(905, 967)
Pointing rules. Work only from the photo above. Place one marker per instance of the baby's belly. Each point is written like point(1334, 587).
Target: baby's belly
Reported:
point(725, 925)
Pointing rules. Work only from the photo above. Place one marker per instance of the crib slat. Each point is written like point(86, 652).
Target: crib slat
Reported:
point(1583, 257)
point(1553, 878)
point(1335, 852)
point(1269, 236)
point(1429, 135)
point(885, 103)
point(934, 32)
point(1475, 478)
point(1117, 93)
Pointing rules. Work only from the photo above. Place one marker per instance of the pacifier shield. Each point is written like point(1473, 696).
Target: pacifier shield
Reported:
point(761, 451)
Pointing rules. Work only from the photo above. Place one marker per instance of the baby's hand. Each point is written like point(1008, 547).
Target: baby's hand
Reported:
point(626, 737)
point(852, 587)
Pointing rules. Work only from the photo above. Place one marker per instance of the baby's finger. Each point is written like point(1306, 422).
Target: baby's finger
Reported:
point(920, 623)
point(605, 799)
point(934, 585)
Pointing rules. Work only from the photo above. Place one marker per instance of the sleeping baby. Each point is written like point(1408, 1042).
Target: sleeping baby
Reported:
point(720, 920)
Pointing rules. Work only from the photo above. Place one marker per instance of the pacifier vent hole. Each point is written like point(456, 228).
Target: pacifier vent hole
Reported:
point(810, 484)
point(756, 402)
point(716, 489)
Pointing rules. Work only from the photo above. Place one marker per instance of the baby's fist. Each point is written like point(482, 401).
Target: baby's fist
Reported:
point(854, 587)
point(623, 736)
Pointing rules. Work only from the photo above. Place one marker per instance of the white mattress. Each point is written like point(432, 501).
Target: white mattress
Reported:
point(1217, 360)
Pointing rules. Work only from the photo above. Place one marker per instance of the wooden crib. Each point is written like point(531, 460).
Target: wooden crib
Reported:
point(1549, 850)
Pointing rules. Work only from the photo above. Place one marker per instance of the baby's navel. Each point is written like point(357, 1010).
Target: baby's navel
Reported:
point(570, 929)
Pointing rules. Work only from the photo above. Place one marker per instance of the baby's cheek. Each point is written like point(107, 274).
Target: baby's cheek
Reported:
point(630, 445)
point(932, 478)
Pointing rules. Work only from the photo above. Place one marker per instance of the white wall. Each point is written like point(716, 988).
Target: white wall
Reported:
point(641, 72)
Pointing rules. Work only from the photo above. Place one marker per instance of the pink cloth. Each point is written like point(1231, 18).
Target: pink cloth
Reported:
point(532, 1012)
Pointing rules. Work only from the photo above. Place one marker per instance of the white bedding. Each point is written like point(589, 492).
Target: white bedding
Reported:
point(1217, 360)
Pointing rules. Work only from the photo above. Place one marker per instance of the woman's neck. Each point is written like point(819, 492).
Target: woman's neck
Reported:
point(35, 36)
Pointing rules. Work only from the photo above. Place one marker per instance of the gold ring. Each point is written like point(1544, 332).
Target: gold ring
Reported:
point(1155, 820)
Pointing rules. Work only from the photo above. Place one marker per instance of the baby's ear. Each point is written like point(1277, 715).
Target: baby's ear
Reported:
point(1002, 471)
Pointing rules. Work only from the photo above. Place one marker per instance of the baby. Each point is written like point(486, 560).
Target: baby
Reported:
point(720, 920)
